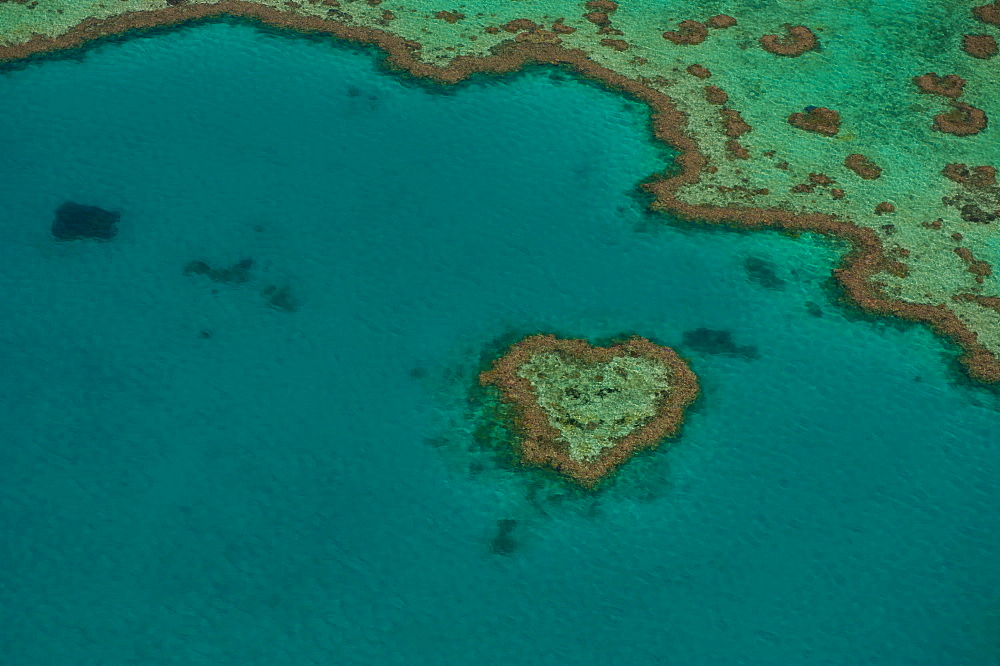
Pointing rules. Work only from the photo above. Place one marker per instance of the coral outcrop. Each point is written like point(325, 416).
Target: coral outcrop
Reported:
point(818, 119)
point(76, 222)
point(584, 410)
point(797, 40)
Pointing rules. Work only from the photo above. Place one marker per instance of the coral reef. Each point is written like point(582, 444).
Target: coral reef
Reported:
point(688, 33)
point(736, 150)
point(716, 95)
point(584, 410)
point(503, 543)
point(946, 86)
point(733, 123)
point(712, 341)
point(797, 40)
point(719, 180)
point(450, 17)
point(763, 273)
point(817, 119)
point(862, 166)
point(698, 71)
point(980, 176)
point(963, 120)
point(979, 268)
point(238, 273)
point(989, 13)
point(721, 21)
point(76, 222)
point(980, 46)
point(280, 298)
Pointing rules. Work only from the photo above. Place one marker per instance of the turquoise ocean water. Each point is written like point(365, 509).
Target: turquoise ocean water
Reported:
point(189, 476)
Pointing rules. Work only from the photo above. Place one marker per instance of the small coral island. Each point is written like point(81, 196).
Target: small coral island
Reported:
point(584, 410)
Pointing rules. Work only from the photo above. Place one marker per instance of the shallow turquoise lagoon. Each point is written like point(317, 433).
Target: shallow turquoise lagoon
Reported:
point(190, 476)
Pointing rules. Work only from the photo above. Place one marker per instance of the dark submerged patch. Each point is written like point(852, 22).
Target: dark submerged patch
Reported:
point(76, 222)
point(713, 341)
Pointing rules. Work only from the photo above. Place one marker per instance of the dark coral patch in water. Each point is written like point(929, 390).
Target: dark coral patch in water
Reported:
point(238, 273)
point(712, 341)
point(75, 221)
point(503, 543)
point(281, 298)
point(762, 272)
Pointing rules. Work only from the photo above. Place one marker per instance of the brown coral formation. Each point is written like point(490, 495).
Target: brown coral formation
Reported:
point(980, 46)
point(989, 13)
point(721, 21)
point(716, 95)
point(688, 33)
point(816, 180)
point(979, 268)
point(538, 36)
point(699, 71)
point(991, 302)
point(449, 17)
point(884, 207)
point(616, 44)
point(797, 40)
point(817, 119)
point(600, 19)
point(517, 25)
point(561, 28)
point(602, 5)
point(963, 120)
point(736, 151)
point(950, 85)
point(543, 445)
point(894, 268)
point(862, 166)
point(980, 176)
point(733, 123)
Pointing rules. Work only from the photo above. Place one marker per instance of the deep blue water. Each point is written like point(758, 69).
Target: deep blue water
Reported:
point(188, 476)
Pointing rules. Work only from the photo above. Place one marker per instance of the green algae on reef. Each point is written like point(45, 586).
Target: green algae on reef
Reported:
point(584, 410)
point(722, 80)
